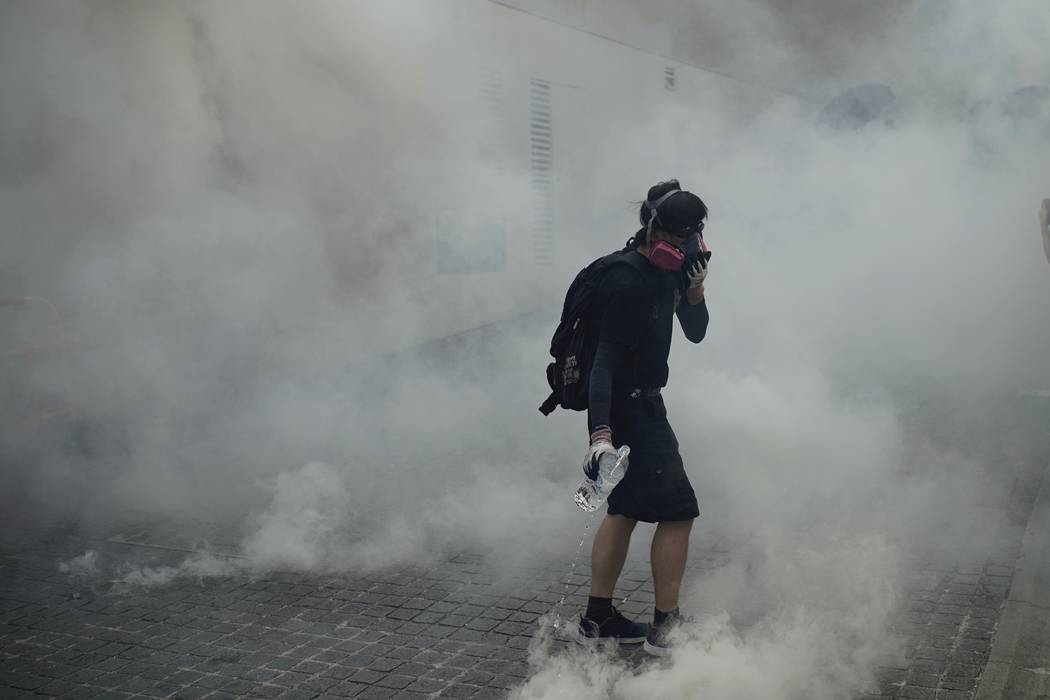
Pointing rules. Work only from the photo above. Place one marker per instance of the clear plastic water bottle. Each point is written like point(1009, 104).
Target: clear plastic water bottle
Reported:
point(591, 494)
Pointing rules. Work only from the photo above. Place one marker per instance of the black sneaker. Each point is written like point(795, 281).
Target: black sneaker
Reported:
point(617, 627)
point(657, 641)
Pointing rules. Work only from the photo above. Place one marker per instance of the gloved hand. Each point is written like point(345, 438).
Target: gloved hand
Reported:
point(601, 445)
point(697, 273)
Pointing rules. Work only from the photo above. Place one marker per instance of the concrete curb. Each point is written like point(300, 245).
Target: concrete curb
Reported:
point(1018, 667)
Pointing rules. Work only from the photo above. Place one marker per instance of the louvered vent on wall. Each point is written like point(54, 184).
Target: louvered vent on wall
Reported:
point(541, 156)
point(669, 78)
point(492, 98)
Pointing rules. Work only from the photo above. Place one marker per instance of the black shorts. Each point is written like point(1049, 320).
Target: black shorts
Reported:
point(656, 488)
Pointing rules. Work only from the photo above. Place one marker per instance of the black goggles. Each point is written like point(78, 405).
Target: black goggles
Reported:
point(686, 233)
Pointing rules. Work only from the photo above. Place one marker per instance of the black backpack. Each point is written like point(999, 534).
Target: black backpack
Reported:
point(574, 342)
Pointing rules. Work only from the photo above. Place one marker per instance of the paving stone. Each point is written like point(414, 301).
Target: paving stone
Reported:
point(347, 689)
point(161, 690)
point(963, 670)
point(459, 690)
point(359, 660)
point(431, 657)
point(443, 673)
point(439, 631)
point(401, 653)
point(319, 684)
point(413, 669)
point(310, 667)
point(298, 695)
point(924, 680)
point(395, 681)
point(489, 694)
point(283, 663)
point(55, 687)
point(377, 693)
point(329, 657)
point(412, 628)
point(426, 685)
point(474, 677)
point(291, 679)
point(502, 681)
point(84, 675)
point(427, 617)
point(338, 672)
point(959, 683)
point(81, 692)
point(385, 665)
point(238, 686)
point(366, 676)
point(184, 677)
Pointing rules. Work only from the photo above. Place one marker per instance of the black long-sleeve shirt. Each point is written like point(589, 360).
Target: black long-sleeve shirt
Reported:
point(634, 312)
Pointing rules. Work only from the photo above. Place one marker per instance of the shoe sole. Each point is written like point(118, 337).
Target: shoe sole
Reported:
point(655, 650)
point(593, 641)
point(628, 640)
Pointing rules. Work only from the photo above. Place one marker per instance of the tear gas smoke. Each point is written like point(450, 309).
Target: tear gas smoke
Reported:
point(240, 212)
point(85, 565)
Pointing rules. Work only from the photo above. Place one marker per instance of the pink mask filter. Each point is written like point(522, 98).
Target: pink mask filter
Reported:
point(666, 256)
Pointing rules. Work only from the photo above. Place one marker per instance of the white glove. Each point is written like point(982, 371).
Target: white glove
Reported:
point(697, 273)
point(601, 445)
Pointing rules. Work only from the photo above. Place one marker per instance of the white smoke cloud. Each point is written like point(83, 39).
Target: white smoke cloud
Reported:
point(199, 566)
point(333, 519)
point(238, 211)
point(801, 648)
point(91, 568)
point(85, 565)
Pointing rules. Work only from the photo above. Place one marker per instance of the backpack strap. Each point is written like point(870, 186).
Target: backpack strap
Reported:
point(551, 403)
point(631, 258)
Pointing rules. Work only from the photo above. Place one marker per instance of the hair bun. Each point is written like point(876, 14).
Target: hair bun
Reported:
point(661, 188)
point(680, 213)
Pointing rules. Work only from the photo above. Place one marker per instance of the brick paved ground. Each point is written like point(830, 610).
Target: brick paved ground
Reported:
point(452, 631)
point(456, 630)
point(948, 618)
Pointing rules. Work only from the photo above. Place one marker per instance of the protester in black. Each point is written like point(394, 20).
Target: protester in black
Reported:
point(634, 314)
